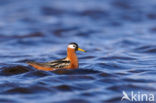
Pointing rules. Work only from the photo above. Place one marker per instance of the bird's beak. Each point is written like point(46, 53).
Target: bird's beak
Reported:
point(79, 49)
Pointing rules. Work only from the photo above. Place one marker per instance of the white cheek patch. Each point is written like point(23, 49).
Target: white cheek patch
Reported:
point(71, 46)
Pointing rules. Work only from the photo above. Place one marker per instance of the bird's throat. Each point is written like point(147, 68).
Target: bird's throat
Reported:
point(71, 55)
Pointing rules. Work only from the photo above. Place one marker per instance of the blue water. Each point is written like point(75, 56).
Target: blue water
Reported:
point(119, 36)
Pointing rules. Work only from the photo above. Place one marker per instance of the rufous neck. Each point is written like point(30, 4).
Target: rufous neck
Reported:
point(71, 53)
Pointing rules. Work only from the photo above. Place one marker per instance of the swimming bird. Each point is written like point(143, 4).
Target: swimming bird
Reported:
point(70, 62)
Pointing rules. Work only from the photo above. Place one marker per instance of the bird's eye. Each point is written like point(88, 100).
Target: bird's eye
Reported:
point(72, 46)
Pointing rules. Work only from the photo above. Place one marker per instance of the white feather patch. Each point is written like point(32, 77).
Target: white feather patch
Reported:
point(71, 46)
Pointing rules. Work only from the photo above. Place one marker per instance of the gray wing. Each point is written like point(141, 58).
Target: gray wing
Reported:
point(62, 63)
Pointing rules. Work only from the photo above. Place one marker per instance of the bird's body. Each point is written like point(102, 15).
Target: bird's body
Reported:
point(70, 62)
point(62, 63)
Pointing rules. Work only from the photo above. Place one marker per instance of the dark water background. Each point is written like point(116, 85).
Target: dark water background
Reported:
point(119, 35)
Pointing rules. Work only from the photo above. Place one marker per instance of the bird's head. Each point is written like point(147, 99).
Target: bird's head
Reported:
point(75, 47)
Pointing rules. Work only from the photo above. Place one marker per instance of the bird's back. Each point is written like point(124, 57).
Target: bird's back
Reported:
point(53, 65)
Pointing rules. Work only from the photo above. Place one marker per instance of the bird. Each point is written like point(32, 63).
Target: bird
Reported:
point(69, 62)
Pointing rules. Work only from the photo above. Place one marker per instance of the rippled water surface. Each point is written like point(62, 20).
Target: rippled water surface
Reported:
point(119, 35)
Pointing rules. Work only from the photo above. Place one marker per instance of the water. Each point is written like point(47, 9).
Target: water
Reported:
point(118, 35)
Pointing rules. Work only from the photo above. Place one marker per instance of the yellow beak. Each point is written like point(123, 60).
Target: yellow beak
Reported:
point(79, 49)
